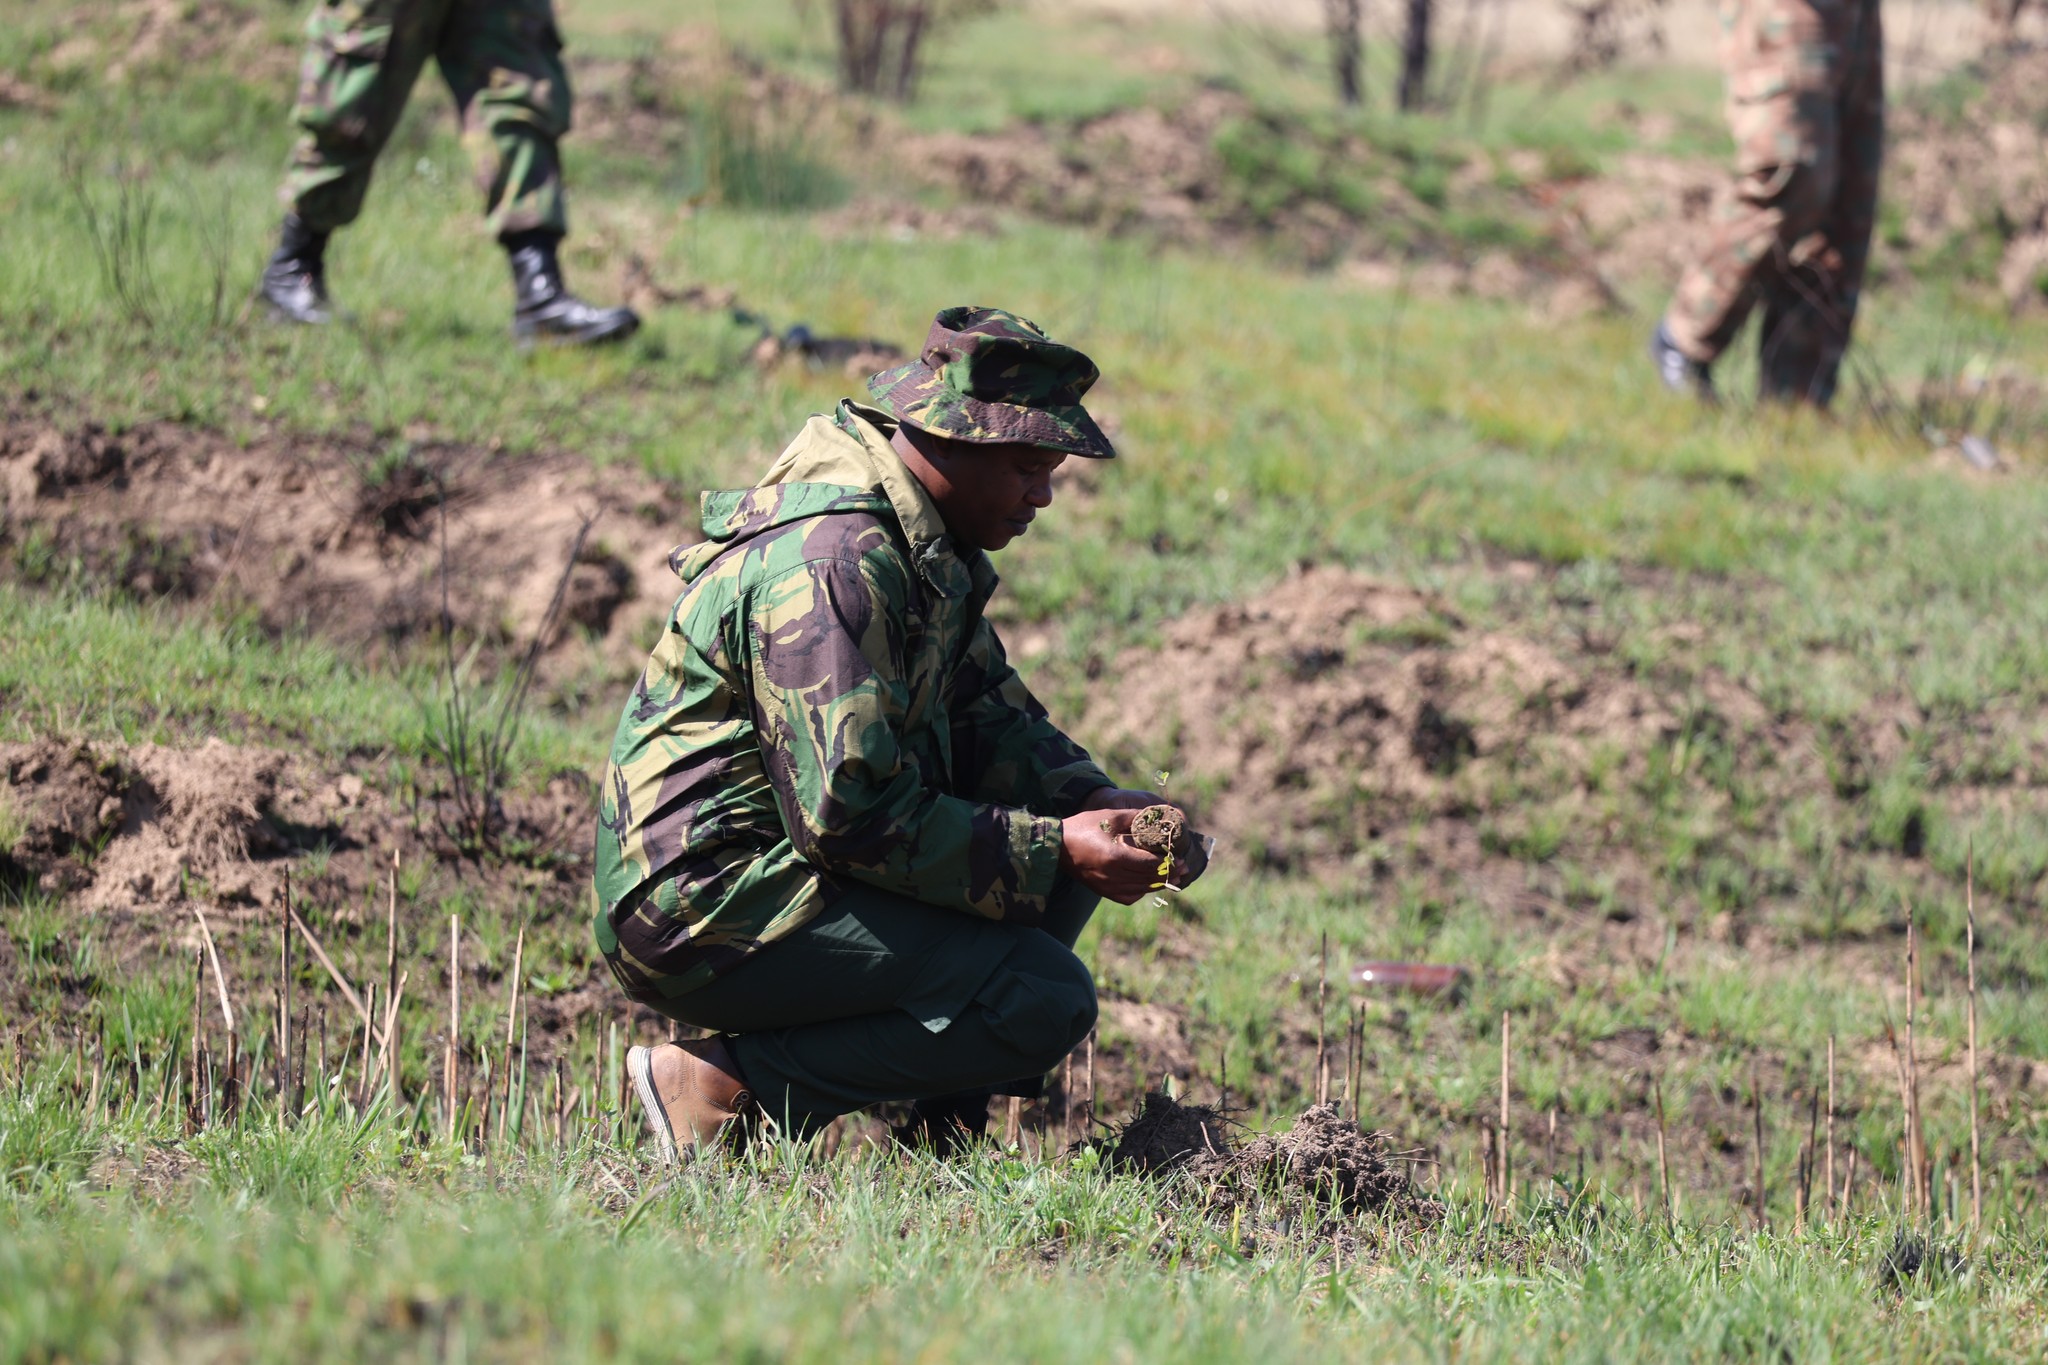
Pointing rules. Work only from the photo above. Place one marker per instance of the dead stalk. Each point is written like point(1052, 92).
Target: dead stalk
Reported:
point(1970, 940)
point(1756, 1104)
point(1917, 1153)
point(1806, 1155)
point(1013, 1125)
point(1507, 1165)
point(348, 992)
point(1088, 1119)
point(1322, 1075)
point(511, 1025)
point(387, 1060)
point(284, 989)
point(192, 1112)
point(1663, 1166)
point(454, 1053)
point(391, 933)
point(1828, 1167)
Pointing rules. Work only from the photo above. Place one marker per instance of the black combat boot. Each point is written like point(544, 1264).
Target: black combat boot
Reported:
point(295, 281)
point(1680, 372)
point(544, 308)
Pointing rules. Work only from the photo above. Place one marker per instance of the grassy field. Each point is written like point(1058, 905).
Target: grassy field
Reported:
point(1822, 645)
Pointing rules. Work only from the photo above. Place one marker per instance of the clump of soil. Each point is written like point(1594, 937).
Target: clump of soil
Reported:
point(1160, 830)
point(1166, 1135)
point(1324, 1158)
point(1327, 1156)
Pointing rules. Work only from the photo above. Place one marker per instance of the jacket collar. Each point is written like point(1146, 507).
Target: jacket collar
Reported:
point(843, 462)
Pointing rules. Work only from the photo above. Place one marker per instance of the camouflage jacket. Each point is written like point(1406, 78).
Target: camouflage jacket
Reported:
point(828, 705)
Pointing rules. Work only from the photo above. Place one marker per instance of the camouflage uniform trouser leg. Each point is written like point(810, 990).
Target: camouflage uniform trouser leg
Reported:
point(883, 998)
point(503, 64)
point(1806, 105)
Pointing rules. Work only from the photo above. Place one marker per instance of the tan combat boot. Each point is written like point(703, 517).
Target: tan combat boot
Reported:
point(690, 1091)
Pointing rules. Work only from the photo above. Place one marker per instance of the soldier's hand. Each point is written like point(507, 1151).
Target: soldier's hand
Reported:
point(1092, 852)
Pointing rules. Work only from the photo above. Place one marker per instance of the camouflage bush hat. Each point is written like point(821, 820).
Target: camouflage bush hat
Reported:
point(988, 375)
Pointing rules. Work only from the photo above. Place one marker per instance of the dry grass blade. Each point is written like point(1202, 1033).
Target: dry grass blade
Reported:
point(348, 992)
point(220, 981)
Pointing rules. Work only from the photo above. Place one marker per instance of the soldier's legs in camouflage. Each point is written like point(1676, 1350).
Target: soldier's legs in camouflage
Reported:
point(502, 60)
point(1745, 257)
point(362, 58)
point(883, 998)
point(1782, 83)
point(1807, 325)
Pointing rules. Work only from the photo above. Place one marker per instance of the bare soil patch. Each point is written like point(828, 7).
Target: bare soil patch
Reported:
point(147, 828)
point(1304, 722)
point(1217, 169)
point(1971, 172)
point(341, 538)
point(128, 840)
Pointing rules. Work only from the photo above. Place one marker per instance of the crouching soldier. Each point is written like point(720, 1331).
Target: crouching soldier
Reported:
point(837, 830)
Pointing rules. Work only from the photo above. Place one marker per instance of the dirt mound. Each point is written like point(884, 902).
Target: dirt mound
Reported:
point(192, 816)
point(1324, 1157)
point(1303, 721)
point(129, 827)
point(1218, 169)
point(1966, 176)
point(1166, 1135)
point(58, 804)
point(338, 537)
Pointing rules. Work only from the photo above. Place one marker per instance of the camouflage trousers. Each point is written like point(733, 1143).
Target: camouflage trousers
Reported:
point(1806, 105)
point(502, 60)
point(884, 998)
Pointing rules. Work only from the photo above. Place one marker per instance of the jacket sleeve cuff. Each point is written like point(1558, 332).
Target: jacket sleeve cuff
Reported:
point(1035, 845)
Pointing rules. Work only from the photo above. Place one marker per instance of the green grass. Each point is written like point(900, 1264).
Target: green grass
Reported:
point(1523, 469)
point(334, 1234)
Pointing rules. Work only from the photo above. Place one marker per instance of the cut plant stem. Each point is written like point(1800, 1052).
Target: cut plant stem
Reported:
point(1321, 1087)
point(1507, 1165)
point(511, 1026)
point(1663, 1167)
point(1970, 941)
point(1828, 1167)
point(454, 1052)
point(1756, 1104)
point(1917, 1152)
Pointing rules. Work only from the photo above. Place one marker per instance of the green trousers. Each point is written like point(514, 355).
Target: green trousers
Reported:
point(502, 60)
point(886, 998)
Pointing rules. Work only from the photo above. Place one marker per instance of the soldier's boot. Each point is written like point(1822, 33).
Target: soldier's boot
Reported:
point(945, 1124)
point(294, 281)
point(544, 309)
point(1679, 371)
point(691, 1092)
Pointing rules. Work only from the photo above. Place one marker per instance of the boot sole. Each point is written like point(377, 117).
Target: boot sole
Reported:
point(529, 336)
point(639, 1065)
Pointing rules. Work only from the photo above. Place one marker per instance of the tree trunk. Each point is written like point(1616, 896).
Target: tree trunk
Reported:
point(1415, 55)
point(1347, 48)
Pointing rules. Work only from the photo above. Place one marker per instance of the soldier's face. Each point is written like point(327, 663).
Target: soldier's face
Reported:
point(988, 494)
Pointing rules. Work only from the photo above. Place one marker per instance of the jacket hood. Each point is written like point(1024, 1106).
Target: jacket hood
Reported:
point(837, 463)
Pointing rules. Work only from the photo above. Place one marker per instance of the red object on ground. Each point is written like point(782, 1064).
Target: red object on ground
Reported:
point(1417, 978)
